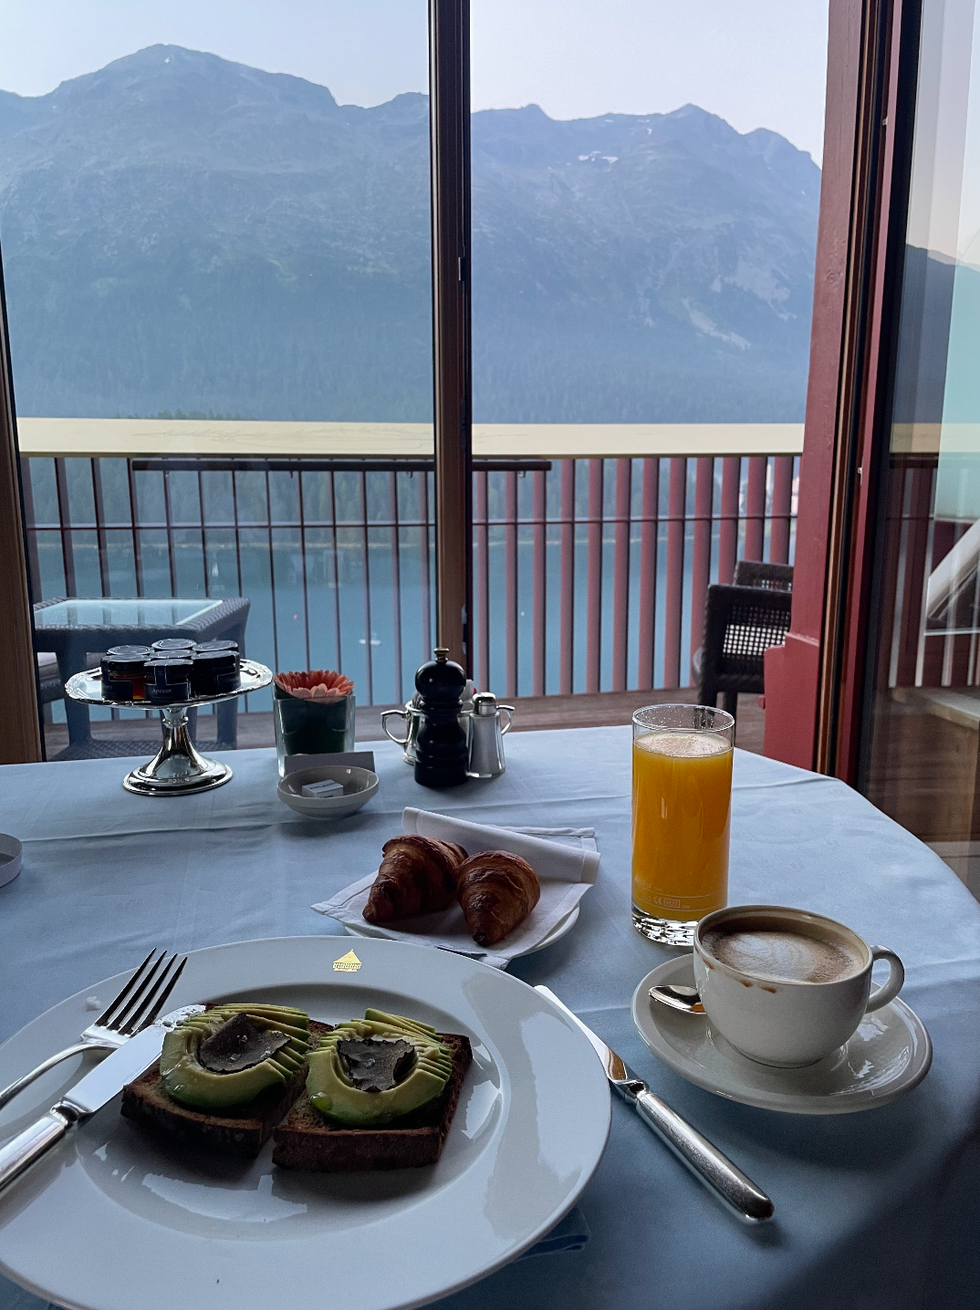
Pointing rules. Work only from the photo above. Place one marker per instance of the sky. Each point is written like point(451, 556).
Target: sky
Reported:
point(756, 63)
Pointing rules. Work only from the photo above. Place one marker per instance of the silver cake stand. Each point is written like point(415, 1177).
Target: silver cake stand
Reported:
point(178, 768)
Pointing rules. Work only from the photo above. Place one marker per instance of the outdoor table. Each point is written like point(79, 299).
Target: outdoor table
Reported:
point(73, 629)
point(878, 1210)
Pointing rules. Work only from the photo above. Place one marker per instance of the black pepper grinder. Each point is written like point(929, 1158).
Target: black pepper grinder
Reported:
point(441, 749)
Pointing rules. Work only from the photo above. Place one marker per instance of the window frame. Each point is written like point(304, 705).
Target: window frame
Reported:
point(816, 682)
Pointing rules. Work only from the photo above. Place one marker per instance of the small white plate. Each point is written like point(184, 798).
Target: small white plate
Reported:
point(115, 1218)
point(888, 1055)
point(557, 933)
point(359, 786)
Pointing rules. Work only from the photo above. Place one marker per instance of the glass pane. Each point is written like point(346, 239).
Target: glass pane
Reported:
point(646, 184)
point(216, 243)
point(922, 761)
point(132, 612)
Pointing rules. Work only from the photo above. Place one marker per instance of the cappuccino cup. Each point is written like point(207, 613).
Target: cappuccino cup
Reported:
point(786, 987)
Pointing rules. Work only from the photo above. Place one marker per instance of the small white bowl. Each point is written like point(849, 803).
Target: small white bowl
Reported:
point(11, 854)
point(359, 786)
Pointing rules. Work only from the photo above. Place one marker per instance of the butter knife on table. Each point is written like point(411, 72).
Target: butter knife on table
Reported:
point(88, 1095)
point(705, 1161)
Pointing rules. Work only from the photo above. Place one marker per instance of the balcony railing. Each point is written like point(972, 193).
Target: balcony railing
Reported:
point(590, 572)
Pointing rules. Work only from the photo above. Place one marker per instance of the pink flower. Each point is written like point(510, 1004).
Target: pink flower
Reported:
point(318, 685)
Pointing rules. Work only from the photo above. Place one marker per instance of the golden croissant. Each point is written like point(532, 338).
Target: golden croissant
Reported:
point(497, 891)
point(417, 875)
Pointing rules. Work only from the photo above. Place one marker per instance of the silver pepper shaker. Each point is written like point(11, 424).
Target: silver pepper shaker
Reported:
point(486, 734)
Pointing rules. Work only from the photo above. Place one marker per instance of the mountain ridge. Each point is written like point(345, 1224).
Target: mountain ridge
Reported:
point(183, 232)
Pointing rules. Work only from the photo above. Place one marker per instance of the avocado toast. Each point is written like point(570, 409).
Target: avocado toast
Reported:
point(226, 1077)
point(381, 1094)
point(372, 1093)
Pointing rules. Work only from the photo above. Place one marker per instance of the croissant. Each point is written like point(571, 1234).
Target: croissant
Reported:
point(417, 875)
point(497, 891)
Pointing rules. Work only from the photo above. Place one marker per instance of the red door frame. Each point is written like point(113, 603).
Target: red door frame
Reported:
point(815, 681)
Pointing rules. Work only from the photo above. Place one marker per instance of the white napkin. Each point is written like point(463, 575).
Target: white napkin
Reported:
point(565, 859)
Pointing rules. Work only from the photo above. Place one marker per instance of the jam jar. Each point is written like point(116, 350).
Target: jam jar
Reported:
point(124, 677)
point(215, 672)
point(168, 681)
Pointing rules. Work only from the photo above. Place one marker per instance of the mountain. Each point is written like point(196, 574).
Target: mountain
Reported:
point(183, 233)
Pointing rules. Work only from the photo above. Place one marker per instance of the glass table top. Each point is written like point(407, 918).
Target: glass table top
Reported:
point(121, 612)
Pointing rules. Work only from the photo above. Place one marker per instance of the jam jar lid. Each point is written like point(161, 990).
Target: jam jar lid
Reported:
point(206, 647)
point(129, 652)
point(219, 661)
point(173, 644)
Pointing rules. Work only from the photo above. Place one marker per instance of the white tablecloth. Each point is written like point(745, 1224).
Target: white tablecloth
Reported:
point(879, 1210)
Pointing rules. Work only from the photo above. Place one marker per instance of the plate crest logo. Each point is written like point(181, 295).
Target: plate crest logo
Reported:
point(348, 963)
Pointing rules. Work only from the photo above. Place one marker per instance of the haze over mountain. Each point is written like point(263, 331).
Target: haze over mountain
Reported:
point(184, 233)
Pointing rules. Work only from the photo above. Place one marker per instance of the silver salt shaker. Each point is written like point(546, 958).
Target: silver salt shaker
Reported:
point(486, 736)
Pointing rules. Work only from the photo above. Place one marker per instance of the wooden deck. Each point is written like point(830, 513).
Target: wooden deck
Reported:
point(533, 713)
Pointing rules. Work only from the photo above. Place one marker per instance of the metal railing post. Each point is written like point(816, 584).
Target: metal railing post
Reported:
point(755, 507)
point(782, 502)
point(593, 604)
point(728, 525)
point(704, 488)
point(481, 566)
point(676, 515)
point(646, 625)
point(621, 573)
point(567, 619)
point(511, 580)
point(540, 596)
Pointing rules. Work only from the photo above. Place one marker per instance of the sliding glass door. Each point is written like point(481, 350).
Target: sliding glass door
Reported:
point(921, 750)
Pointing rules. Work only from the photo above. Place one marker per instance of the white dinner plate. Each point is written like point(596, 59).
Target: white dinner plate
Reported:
point(116, 1219)
point(888, 1055)
point(562, 927)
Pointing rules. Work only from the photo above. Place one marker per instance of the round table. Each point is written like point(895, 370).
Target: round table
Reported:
point(875, 1210)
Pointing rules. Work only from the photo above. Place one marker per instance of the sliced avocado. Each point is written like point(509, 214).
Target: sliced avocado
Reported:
point(240, 1043)
point(187, 1080)
point(330, 1085)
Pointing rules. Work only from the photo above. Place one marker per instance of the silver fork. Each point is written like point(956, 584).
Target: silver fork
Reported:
point(136, 1006)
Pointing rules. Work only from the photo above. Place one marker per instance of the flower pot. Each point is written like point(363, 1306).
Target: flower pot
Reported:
point(312, 727)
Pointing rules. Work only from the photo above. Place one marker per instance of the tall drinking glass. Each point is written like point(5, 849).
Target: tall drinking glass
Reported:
point(682, 795)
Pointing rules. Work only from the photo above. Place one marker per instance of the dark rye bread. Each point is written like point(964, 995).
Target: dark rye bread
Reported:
point(241, 1132)
point(308, 1141)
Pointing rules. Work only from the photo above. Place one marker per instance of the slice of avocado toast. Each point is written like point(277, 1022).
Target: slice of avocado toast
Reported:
point(369, 1071)
point(381, 1094)
point(226, 1077)
point(229, 1054)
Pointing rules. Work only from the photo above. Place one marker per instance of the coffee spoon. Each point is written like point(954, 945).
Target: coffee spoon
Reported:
point(685, 999)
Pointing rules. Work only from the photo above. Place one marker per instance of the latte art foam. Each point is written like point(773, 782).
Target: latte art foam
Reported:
point(782, 956)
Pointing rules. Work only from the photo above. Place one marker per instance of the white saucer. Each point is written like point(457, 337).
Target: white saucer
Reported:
point(557, 933)
point(888, 1055)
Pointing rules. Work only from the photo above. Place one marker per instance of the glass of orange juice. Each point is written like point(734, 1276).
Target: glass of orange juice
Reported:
point(682, 798)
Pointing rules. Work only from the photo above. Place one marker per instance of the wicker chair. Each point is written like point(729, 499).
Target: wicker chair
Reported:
point(755, 573)
point(50, 686)
point(740, 624)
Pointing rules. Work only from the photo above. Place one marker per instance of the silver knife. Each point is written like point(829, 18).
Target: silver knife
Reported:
point(94, 1091)
point(705, 1161)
